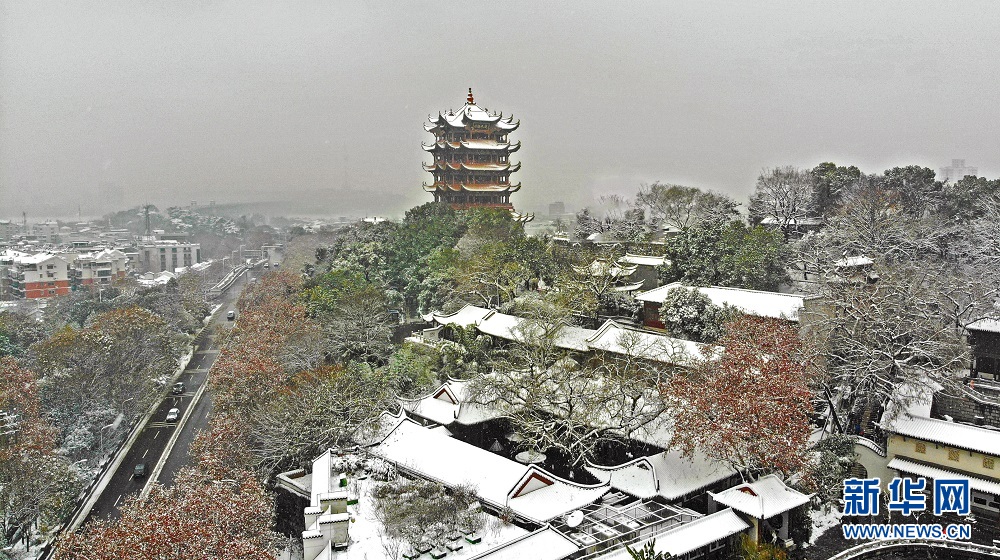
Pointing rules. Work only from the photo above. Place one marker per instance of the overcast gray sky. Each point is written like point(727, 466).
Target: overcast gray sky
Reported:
point(186, 100)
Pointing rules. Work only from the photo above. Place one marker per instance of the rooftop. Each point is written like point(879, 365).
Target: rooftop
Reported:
point(754, 302)
point(691, 536)
point(610, 337)
point(763, 499)
point(533, 494)
point(669, 475)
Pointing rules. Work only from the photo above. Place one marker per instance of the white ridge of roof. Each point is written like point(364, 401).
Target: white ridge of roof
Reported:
point(610, 337)
point(37, 258)
point(452, 462)
point(470, 315)
point(986, 324)
point(972, 438)
point(763, 499)
point(619, 339)
point(543, 544)
point(854, 261)
point(668, 474)
point(755, 302)
point(443, 411)
point(644, 260)
point(691, 536)
point(981, 484)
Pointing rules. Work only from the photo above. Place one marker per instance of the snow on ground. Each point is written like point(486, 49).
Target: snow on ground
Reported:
point(822, 521)
point(366, 541)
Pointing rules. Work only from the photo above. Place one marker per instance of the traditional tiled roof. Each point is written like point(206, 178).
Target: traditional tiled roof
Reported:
point(754, 302)
point(669, 475)
point(472, 166)
point(610, 337)
point(690, 536)
point(621, 339)
point(643, 260)
point(900, 464)
point(763, 499)
point(533, 494)
point(474, 144)
point(543, 544)
point(985, 325)
point(473, 187)
point(470, 113)
point(449, 403)
point(964, 436)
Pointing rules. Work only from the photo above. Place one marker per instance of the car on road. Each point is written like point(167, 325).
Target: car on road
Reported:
point(172, 414)
point(266, 266)
point(231, 316)
point(139, 471)
point(177, 389)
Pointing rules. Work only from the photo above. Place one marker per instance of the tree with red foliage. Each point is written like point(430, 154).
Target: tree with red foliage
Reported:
point(750, 407)
point(198, 517)
point(34, 481)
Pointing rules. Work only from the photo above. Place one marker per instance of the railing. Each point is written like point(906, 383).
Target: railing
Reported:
point(885, 545)
point(865, 442)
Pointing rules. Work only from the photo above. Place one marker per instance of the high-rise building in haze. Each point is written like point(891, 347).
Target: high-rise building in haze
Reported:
point(956, 171)
point(471, 152)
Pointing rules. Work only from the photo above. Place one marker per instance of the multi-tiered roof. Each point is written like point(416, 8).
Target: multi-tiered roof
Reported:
point(471, 152)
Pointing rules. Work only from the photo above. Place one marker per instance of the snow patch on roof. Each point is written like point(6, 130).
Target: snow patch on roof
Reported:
point(452, 462)
point(754, 302)
point(668, 474)
point(763, 499)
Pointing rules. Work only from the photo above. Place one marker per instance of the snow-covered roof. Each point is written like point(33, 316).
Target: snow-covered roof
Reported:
point(774, 220)
point(986, 325)
point(981, 484)
point(464, 317)
point(755, 302)
point(620, 339)
point(953, 434)
point(669, 475)
point(854, 261)
point(449, 403)
point(763, 499)
point(471, 112)
point(37, 258)
point(543, 544)
point(532, 493)
point(643, 260)
point(610, 337)
point(599, 268)
point(156, 278)
point(690, 536)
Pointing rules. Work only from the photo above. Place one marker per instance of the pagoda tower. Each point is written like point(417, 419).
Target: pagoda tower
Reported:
point(471, 152)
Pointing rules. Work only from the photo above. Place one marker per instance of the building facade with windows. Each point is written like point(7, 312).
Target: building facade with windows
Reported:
point(167, 256)
point(919, 445)
point(41, 275)
point(99, 268)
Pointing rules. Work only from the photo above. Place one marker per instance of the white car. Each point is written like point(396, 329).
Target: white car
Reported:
point(172, 414)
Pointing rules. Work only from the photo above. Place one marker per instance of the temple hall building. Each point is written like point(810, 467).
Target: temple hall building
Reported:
point(471, 153)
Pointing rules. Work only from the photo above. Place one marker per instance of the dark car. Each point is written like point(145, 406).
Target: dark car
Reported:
point(231, 316)
point(139, 471)
point(177, 389)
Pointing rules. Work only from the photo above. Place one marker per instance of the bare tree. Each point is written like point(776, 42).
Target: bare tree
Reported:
point(783, 194)
point(558, 404)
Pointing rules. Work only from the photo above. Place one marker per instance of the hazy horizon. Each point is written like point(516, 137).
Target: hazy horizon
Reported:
point(117, 101)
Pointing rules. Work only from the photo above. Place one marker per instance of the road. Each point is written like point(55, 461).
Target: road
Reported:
point(149, 446)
